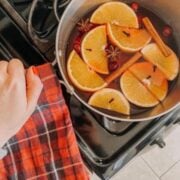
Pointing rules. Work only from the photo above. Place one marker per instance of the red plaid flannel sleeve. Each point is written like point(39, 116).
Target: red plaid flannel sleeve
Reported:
point(46, 146)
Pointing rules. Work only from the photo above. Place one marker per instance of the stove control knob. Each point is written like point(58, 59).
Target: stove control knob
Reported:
point(160, 142)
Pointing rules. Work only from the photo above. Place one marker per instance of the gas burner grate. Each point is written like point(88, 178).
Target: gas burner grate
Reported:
point(22, 6)
point(4, 53)
point(43, 20)
point(38, 19)
point(58, 5)
point(21, 2)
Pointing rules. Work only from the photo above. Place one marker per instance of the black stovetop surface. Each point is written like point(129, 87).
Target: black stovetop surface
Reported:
point(106, 145)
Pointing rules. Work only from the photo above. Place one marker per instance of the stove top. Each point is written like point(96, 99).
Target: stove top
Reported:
point(13, 42)
point(27, 31)
point(108, 145)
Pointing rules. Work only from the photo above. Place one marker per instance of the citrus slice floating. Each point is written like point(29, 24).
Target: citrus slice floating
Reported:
point(110, 99)
point(128, 39)
point(152, 78)
point(168, 65)
point(115, 12)
point(81, 76)
point(136, 92)
point(93, 50)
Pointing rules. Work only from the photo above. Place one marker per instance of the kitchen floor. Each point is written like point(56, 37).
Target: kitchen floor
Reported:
point(154, 163)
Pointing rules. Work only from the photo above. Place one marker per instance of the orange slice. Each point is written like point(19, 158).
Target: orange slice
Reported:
point(168, 65)
point(110, 99)
point(128, 39)
point(81, 76)
point(152, 78)
point(117, 13)
point(93, 50)
point(136, 92)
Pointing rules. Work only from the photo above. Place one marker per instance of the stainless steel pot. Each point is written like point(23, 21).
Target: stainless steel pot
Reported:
point(166, 9)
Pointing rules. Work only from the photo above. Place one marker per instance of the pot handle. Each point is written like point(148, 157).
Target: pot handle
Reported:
point(54, 63)
point(69, 89)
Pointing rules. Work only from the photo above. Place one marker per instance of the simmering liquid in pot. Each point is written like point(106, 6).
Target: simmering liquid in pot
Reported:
point(163, 30)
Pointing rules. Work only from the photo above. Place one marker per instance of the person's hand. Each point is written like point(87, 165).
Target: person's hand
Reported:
point(19, 93)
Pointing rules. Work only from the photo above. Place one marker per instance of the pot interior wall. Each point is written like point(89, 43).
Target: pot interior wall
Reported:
point(167, 10)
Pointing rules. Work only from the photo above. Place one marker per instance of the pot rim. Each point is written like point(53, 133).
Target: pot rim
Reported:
point(72, 91)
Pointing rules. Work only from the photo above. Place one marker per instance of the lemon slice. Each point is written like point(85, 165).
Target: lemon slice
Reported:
point(128, 39)
point(115, 12)
point(110, 99)
point(82, 76)
point(93, 50)
point(168, 65)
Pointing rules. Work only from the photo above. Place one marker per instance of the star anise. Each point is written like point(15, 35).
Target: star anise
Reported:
point(84, 25)
point(113, 52)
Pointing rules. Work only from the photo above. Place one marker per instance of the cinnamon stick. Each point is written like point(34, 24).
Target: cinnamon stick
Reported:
point(149, 26)
point(123, 68)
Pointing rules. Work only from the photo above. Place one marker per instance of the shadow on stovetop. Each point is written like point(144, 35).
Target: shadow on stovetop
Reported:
point(99, 135)
point(107, 149)
point(103, 137)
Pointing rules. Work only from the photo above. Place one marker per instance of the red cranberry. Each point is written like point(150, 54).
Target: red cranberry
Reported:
point(92, 26)
point(77, 40)
point(77, 44)
point(135, 6)
point(77, 48)
point(167, 31)
point(107, 47)
point(113, 65)
point(140, 19)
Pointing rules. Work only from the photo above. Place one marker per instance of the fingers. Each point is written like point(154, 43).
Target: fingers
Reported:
point(34, 88)
point(3, 67)
point(3, 71)
point(16, 77)
point(29, 85)
point(15, 68)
